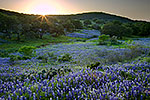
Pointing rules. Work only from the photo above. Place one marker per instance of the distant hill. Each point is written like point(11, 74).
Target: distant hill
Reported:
point(82, 16)
point(97, 15)
point(7, 12)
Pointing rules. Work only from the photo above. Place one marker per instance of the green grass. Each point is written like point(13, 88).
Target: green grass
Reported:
point(14, 45)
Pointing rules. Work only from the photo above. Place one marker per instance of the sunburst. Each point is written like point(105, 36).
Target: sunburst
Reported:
point(43, 18)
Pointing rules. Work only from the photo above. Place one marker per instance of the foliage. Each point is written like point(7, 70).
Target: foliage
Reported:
point(141, 28)
point(87, 22)
point(146, 59)
point(98, 21)
point(54, 84)
point(65, 57)
point(93, 66)
point(96, 27)
point(129, 41)
point(27, 50)
point(103, 39)
point(77, 24)
point(107, 40)
point(47, 57)
point(3, 53)
point(17, 57)
point(114, 41)
point(7, 24)
point(115, 28)
point(13, 58)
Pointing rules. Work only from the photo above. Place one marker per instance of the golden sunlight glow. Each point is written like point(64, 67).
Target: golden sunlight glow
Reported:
point(43, 9)
point(43, 18)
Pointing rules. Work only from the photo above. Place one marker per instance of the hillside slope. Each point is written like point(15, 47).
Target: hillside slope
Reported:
point(82, 16)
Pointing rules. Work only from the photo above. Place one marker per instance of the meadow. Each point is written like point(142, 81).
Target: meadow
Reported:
point(121, 73)
point(78, 62)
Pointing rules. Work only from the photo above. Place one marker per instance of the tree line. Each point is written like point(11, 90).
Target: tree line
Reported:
point(29, 26)
point(35, 26)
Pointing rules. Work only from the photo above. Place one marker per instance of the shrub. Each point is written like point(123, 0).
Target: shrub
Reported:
point(87, 22)
point(147, 59)
point(116, 28)
point(93, 66)
point(47, 57)
point(65, 57)
point(77, 24)
point(44, 58)
point(3, 53)
point(50, 54)
point(27, 50)
point(25, 58)
point(114, 40)
point(128, 41)
point(16, 57)
point(107, 40)
point(99, 21)
point(96, 26)
point(104, 39)
point(40, 57)
point(13, 58)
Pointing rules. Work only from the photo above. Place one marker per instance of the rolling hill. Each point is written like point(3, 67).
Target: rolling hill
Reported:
point(82, 16)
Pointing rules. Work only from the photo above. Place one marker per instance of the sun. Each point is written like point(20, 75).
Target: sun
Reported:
point(44, 9)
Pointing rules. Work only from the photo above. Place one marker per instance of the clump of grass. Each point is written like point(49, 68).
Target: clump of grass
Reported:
point(15, 45)
point(27, 50)
point(65, 57)
point(107, 40)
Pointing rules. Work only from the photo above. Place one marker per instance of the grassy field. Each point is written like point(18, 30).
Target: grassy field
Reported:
point(13, 46)
point(61, 69)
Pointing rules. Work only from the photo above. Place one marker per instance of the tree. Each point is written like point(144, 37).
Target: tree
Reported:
point(87, 22)
point(7, 24)
point(77, 24)
point(144, 28)
point(115, 29)
point(69, 26)
point(57, 29)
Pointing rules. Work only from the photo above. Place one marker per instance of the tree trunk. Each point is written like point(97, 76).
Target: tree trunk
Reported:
point(41, 35)
point(9, 36)
point(18, 37)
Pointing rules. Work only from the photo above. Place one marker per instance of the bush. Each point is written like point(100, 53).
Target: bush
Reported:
point(116, 28)
point(93, 66)
point(114, 40)
point(87, 22)
point(3, 53)
point(96, 26)
point(147, 59)
point(136, 50)
point(47, 57)
point(65, 57)
point(77, 24)
point(44, 58)
point(129, 41)
point(27, 50)
point(107, 40)
point(104, 39)
point(16, 57)
point(13, 58)
point(25, 58)
point(68, 26)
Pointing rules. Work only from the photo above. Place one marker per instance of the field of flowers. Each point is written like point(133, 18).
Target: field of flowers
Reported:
point(60, 72)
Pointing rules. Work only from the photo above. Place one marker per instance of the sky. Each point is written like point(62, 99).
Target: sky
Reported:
point(134, 9)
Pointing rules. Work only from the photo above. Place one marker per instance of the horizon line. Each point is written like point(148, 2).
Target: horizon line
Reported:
point(65, 14)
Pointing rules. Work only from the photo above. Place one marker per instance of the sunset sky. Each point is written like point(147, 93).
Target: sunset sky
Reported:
point(134, 9)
